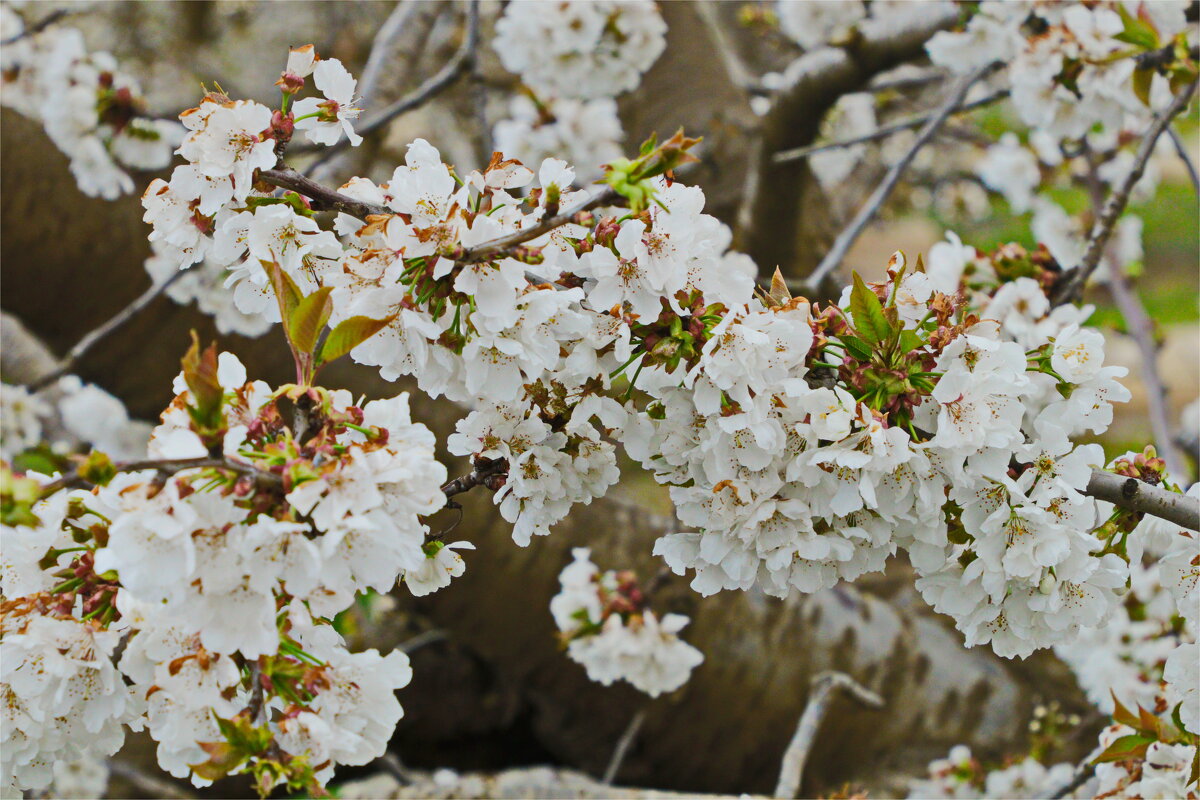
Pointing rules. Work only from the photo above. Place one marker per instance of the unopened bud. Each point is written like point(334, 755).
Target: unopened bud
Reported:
point(1048, 584)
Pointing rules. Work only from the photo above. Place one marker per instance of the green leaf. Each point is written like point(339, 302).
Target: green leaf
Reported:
point(308, 318)
point(1137, 31)
point(856, 347)
point(1142, 80)
point(867, 313)
point(1131, 746)
point(349, 334)
point(1122, 714)
point(287, 294)
point(200, 374)
point(223, 758)
point(910, 340)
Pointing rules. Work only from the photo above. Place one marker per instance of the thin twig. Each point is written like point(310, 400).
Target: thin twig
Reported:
point(799, 153)
point(392, 764)
point(478, 85)
point(486, 251)
point(455, 68)
point(381, 47)
point(1141, 330)
point(1181, 149)
point(152, 785)
point(37, 27)
point(73, 479)
point(422, 639)
point(90, 340)
point(326, 199)
point(1134, 495)
point(1070, 286)
point(622, 748)
point(850, 234)
point(823, 687)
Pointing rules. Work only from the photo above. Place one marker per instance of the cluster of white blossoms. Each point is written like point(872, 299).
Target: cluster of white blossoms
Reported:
point(65, 416)
point(960, 776)
point(93, 112)
point(574, 59)
point(1143, 655)
point(1086, 79)
point(935, 411)
point(223, 563)
point(1147, 649)
point(605, 625)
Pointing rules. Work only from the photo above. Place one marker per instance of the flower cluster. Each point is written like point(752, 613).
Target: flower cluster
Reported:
point(960, 776)
point(1083, 77)
point(223, 562)
point(39, 429)
point(605, 625)
point(93, 112)
point(585, 54)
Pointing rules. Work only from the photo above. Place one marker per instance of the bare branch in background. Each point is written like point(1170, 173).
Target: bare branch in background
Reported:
point(1135, 495)
point(623, 745)
point(1083, 774)
point(850, 234)
point(823, 688)
point(799, 153)
point(455, 68)
point(1070, 287)
point(1141, 329)
point(739, 75)
point(774, 223)
point(478, 82)
point(383, 47)
point(84, 345)
point(152, 785)
point(37, 27)
point(1181, 149)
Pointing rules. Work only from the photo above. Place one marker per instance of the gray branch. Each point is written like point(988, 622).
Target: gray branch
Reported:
point(1070, 286)
point(1181, 149)
point(799, 153)
point(1135, 495)
point(1141, 330)
point(90, 340)
point(850, 234)
point(823, 688)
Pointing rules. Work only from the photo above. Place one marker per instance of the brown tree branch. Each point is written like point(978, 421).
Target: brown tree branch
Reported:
point(170, 466)
point(1070, 286)
point(324, 198)
point(850, 234)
